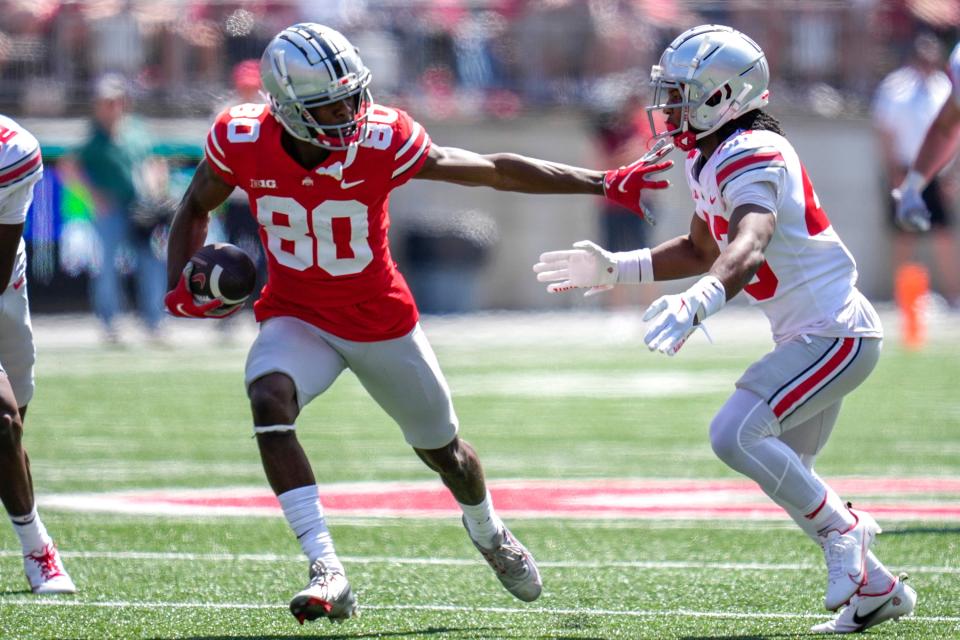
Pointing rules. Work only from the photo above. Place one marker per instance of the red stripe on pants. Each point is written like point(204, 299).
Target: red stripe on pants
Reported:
point(801, 389)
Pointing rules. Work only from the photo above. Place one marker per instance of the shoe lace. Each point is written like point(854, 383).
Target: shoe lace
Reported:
point(510, 558)
point(46, 560)
point(320, 575)
point(834, 550)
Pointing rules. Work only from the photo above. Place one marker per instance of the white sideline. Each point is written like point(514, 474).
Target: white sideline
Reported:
point(674, 613)
point(460, 562)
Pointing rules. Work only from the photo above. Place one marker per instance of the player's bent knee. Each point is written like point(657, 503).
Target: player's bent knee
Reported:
point(273, 400)
point(11, 429)
point(450, 458)
point(743, 422)
point(723, 437)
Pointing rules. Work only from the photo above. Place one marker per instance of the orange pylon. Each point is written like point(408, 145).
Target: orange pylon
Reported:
point(911, 284)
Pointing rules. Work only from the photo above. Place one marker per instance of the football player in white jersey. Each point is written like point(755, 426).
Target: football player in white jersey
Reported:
point(759, 228)
point(20, 168)
point(939, 147)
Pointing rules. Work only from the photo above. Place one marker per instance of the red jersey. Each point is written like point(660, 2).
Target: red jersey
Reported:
point(324, 229)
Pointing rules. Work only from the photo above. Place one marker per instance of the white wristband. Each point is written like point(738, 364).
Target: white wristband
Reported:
point(634, 267)
point(914, 180)
point(711, 294)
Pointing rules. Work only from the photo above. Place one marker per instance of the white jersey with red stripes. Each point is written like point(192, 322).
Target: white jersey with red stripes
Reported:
point(807, 283)
point(324, 229)
point(21, 166)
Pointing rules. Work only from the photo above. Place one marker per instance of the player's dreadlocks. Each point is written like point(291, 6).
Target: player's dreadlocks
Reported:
point(757, 119)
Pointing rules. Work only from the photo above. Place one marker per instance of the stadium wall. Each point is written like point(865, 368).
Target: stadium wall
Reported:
point(840, 155)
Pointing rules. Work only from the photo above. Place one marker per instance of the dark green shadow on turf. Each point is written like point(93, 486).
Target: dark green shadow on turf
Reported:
point(429, 631)
point(764, 636)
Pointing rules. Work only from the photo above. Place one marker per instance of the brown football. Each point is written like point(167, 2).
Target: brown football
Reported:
point(223, 271)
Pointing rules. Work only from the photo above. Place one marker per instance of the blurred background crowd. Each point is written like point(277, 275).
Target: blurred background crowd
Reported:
point(560, 79)
point(444, 58)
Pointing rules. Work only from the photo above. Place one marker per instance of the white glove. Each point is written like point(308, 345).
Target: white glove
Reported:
point(675, 317)
point(586, 265)
point(912, 211)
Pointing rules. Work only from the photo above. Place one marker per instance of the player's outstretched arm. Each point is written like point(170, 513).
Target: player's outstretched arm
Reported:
point(508, 172)
point(941, 142)
point(512, 172)
point(589, 266)
point(685, 256)
point(939, 147)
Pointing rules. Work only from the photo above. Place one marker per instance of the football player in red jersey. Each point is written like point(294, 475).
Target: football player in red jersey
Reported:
point(318, 163)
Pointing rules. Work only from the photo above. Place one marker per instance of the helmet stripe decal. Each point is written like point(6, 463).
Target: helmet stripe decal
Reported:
point(297, 38)
point(311, 58)
point(713, 51)
point(328, 49)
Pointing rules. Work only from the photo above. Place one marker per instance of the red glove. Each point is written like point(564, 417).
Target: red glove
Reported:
point(625, 185)
point(180, 302)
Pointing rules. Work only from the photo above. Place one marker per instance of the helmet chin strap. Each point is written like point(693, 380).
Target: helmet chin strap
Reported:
point(685, 140)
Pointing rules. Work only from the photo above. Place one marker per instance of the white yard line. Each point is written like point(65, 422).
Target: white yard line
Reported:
point(459, 562)
point(670, 613)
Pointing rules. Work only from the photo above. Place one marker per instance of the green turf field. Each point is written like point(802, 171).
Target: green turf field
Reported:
point(150, 419)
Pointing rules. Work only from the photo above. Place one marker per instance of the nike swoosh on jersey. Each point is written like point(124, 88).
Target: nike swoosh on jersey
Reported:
point(349, 185)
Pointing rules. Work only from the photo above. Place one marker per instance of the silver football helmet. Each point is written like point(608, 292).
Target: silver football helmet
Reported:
point(719, 74)
point(310, 65)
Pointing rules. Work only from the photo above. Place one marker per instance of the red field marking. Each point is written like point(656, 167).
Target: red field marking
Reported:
point(893, 499)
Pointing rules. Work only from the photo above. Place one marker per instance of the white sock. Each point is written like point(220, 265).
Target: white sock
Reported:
point(304, 513)
point(830, 514)
point(483, 523)
point(33, 535)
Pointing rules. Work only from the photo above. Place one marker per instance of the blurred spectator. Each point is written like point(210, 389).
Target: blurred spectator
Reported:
point(547, 52)
point(245, 84)
point(906, 102)
point(118, 41)
point(246, 81)
point(552, 38)
point(128, 187)
point(621, 134)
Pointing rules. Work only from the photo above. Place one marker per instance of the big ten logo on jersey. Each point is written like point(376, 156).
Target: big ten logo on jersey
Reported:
point(244, 125)
point(380, 121)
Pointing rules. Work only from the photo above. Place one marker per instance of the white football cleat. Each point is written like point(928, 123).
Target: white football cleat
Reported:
point(45, 572)
point(870, 609)
point(513, 564)
point(846, 555)
point(328, 595)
